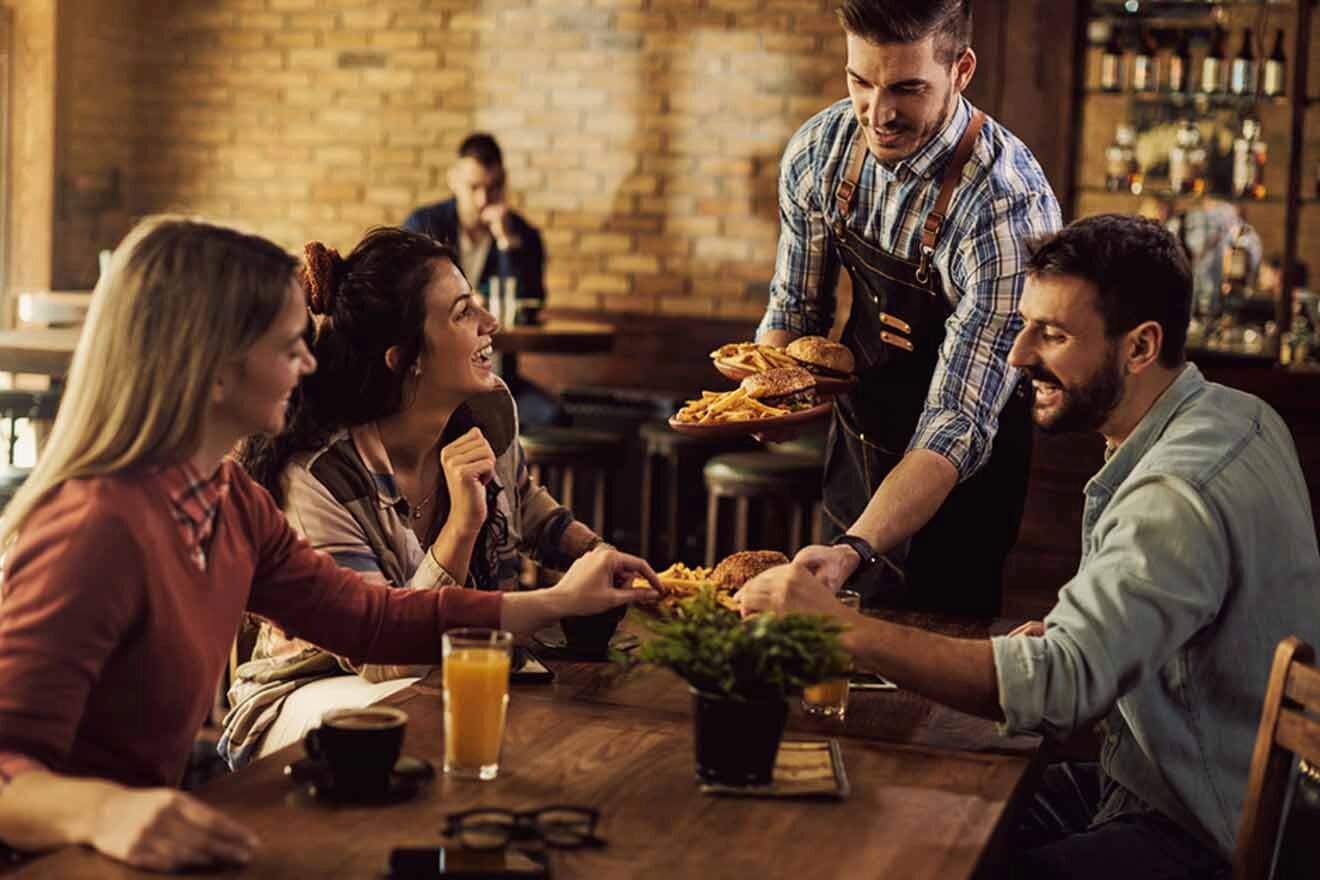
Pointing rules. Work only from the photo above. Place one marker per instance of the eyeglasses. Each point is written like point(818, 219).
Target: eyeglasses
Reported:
point(560, 826)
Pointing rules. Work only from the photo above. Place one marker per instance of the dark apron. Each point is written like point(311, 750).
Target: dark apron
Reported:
point(895, 330)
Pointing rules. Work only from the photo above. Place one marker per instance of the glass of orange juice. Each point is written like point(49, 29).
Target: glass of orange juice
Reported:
point(830, 697)
point(476, 687)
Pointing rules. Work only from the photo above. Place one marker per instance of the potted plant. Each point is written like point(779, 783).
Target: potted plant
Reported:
point(741, 674)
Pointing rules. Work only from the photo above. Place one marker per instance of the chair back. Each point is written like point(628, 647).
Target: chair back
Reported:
point(1289, 726)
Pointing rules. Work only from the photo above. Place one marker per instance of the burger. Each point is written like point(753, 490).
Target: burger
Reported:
point(822, 357)
point(791, 388)
point(736, 570)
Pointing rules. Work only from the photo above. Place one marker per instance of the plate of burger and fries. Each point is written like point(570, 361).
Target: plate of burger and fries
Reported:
point(777, 390)
point(831, 363)
point(679, 581)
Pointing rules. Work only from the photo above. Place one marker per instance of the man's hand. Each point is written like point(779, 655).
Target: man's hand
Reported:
point(833, 565)
point(1031, 628)
point(162, 829)
point(791, 589)
point(499, 220)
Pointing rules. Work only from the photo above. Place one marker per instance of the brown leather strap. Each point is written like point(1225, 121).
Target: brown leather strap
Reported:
point(847, 188)
point(930, 230)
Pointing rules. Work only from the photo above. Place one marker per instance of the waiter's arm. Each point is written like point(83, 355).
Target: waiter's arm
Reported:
point(906, 499)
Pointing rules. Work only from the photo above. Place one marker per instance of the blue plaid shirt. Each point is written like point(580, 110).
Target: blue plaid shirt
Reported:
point(1003, 202)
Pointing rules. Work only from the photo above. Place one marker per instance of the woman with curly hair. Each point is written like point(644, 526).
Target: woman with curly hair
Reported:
point(401, 460)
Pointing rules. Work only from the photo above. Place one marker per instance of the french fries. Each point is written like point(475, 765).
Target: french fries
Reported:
point(680, 581)
point(729, 406)
point(752, 356)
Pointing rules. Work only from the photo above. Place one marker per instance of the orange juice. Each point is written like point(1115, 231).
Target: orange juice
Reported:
point(476, 685)
point(827, 698)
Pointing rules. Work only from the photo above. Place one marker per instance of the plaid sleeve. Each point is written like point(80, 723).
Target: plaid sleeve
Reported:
point(801, 292)
point(972, 379)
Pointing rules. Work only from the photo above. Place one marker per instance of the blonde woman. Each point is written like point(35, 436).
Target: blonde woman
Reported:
point(134, 548)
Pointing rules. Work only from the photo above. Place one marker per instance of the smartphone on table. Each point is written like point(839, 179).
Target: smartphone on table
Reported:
point(453, 863)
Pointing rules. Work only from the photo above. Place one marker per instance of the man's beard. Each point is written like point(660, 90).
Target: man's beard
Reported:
point(1084, 407)
point(923, 133)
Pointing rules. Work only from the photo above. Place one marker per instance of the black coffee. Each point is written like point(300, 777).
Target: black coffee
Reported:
point(360, 746)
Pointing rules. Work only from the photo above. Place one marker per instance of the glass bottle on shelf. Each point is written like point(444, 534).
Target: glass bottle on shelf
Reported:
point(1180, 65)
point(1242, 76)
point(1145, 68)
point(1212, 66)
point(1179, 158)
point(1275, 67)
point(1111, 64)
point(1121, 171)
point(1198, 163)
point(1250, 153)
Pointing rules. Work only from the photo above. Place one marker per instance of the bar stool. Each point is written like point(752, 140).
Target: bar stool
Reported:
point(675, 460)
point(778, 480)
point(559, 458)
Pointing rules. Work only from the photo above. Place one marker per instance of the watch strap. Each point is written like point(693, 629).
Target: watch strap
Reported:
point(860, 546)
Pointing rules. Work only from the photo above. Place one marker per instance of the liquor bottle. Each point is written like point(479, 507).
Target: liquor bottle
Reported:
point(1111, 64)
point(1212, 66)
point(1119, 159)
point(1275, 66)
point(1179, 160)
point(1145, 69)
point(1180, 65)
point(1242, 79)
point(1249, 158)
point(1197, 161)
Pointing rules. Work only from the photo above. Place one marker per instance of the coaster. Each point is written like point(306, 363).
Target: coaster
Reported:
point(408, 777)
point(803, 768)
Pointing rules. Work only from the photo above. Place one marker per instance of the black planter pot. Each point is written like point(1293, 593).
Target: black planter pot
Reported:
point(737, 740)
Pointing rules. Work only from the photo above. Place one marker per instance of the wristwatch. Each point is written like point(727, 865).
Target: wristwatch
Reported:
point(863, 549)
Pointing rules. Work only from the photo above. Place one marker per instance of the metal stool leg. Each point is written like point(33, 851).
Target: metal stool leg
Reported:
point(598, 522)
point(673, 537)
point(741, 514)
point(648, 475)
point(712, 525)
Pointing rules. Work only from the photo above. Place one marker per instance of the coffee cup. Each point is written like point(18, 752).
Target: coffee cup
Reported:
point(360, 748)
point(590, 636)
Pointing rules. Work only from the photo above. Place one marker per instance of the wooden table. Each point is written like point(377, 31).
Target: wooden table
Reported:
point(549, 337)
point(38, 350)
point(917, 810)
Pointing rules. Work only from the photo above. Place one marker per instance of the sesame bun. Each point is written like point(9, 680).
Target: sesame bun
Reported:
point(780, 382)
point(736, 570)
point(821, 356)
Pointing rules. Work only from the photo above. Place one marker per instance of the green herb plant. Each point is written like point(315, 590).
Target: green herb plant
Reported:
point(762, 658)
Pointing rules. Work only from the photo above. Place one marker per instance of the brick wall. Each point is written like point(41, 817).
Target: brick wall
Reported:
point(642, 136)
point(99, 126)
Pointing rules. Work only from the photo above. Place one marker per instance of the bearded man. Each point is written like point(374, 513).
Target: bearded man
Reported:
point(1198, 556)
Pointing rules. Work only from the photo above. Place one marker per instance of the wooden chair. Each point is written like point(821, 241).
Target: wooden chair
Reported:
point(1289, 725)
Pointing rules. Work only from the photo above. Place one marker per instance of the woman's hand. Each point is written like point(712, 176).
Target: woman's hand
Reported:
point(599, 581)
point(468, 464)
point(161, 829)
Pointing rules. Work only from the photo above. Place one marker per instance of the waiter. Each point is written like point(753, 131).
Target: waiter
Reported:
point(928, 204)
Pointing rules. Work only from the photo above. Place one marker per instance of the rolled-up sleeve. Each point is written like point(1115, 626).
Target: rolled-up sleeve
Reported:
point(801, 291)
point(1157, 572)
point(972, 380)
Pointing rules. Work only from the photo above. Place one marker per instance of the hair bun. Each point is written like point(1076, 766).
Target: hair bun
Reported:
point(323, 265)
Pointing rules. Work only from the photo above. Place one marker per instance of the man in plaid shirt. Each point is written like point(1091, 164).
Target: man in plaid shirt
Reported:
point(926, 472)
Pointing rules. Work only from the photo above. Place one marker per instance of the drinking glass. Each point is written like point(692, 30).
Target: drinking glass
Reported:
point(830, 697)
point(476, 694)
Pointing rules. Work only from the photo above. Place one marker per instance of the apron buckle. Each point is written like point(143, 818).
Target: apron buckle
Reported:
point(923, 267)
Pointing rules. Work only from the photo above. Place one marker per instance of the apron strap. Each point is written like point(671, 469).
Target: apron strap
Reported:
point(930, 230)
point(847, 188)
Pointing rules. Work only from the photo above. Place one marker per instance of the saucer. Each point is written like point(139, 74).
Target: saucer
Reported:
point(407, 778)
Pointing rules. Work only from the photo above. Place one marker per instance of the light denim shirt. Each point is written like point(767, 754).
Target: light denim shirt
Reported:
point(1198, 557)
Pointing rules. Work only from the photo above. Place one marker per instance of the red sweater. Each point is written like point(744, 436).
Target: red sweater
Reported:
point(112, 641)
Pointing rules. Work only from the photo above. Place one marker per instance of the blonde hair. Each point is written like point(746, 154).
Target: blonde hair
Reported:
point(181, 297)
